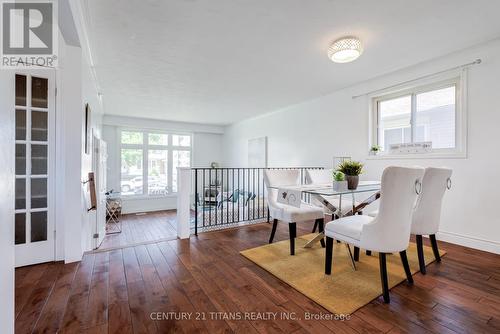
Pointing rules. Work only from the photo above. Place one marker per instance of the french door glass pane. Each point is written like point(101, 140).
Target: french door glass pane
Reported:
point(178, 140)
point(20, 90)
point(20, 159)
point(20, 125)
point(435, 117)
point(131, 173)
point(38, 226)
point(39, 92)
point(38, 159)
point(394, 121)
point(157, 172)
point(39, 126)
point(20, 194)
point(158, 139)
point(20, 228)
point(39, 193)
point(180, 159)
point(131, 137)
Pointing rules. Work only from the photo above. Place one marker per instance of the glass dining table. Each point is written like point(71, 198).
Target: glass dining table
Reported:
point(323, 193)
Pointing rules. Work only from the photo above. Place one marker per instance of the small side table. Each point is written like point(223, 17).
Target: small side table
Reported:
point(113, 213)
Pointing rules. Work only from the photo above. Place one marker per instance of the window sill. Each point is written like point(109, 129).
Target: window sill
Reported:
point(143, 197)
point(435, 155)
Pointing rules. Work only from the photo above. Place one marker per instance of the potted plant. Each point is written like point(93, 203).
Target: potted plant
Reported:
point(352, 170)
point(339, 182)
point(375, 149)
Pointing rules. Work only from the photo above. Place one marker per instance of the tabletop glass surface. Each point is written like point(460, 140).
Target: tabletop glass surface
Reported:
point(327, 189)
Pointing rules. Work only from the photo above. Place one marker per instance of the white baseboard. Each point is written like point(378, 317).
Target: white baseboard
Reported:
point(471, 242)
point(132, 205)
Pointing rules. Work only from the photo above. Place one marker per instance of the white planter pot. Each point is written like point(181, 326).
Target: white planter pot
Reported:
point(339, 185)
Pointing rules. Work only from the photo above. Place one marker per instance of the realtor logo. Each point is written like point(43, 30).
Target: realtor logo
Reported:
point(29, 34)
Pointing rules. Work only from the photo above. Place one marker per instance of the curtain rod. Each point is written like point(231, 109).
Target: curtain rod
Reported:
point(475, 62)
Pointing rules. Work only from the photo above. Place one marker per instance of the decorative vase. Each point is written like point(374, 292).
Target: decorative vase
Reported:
point(352, 181)
point(339, 185)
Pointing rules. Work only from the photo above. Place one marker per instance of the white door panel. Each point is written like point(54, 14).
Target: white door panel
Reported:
point(35, 166)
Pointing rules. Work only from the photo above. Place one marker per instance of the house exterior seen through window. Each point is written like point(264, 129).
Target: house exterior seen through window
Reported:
point(430, 114)
point(149, 161)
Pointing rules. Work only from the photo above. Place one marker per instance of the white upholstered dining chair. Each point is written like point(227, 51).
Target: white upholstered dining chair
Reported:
point(289, 214)
point(427, 213)
point(389, 232)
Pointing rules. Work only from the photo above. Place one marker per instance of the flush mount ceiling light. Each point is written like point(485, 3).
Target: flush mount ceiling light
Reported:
point(345, 50)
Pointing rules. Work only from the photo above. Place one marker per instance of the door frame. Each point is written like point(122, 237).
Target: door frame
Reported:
point(98, 155)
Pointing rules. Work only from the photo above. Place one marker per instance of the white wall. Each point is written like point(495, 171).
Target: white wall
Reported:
point(7, 200)
point(312, 132)
point(68, 155)
point(207, 147)
point(90, 96)
point(75, 88)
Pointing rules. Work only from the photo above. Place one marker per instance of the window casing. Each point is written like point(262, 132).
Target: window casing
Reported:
point(149, 161)
point(429, 111)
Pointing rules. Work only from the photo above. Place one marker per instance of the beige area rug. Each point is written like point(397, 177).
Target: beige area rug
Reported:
point(345, 290)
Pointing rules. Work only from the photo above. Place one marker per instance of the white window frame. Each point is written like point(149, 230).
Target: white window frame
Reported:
point(145, 147)
point(457, 78)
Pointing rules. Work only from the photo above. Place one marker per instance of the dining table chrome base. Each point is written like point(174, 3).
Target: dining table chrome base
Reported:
point(314, 240)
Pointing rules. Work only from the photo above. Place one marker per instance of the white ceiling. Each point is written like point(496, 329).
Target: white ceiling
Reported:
point(221, 61)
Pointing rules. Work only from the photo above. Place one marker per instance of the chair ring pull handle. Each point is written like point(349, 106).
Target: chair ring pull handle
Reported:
point(448, 183)
point(418, 187)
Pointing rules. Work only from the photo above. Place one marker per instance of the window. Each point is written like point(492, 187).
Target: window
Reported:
point(425, 114)
point(149, 161)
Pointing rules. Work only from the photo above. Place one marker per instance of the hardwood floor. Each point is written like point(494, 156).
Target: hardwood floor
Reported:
point(142, 228)
point(116, 292)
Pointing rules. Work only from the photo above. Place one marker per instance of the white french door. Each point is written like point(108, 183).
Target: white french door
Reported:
point(35, 166)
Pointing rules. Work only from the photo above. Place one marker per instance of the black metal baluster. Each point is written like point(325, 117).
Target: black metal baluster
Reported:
point(248, 196)
point(258, 193)
point(216, 194)
point(195, 202)
point(238, 219)
point(203, 190)
point(253, 201)
point(244, 193)
point(232, 186)
point(222, 196)
point(210, 197)
point(263, 194)
point(227, 195)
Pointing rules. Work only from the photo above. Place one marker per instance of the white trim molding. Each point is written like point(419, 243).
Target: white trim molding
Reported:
point(162, 125)
point(471, 242)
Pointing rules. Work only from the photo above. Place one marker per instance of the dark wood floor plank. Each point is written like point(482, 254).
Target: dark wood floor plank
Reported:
point(97, 314)
point(141, 321)
point(119, 319)
point(26, 282)
point(31, 312)
point(177, 298)
point(193, 291)
point(76, 311)
point(53, 312)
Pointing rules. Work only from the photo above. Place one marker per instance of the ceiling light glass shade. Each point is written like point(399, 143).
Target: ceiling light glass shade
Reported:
point(345, 50)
